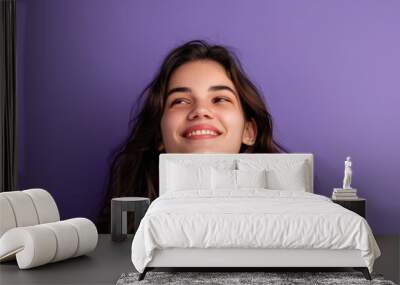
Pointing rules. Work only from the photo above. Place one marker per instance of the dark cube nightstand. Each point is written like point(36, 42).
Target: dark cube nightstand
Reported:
point(357, 205)
point(119, 208)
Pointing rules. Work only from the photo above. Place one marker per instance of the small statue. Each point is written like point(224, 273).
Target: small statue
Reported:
point(347, 173)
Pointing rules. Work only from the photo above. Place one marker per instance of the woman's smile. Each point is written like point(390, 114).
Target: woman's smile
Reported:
point(201, 131)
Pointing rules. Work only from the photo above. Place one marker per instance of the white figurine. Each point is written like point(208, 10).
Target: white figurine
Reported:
point(347, 173)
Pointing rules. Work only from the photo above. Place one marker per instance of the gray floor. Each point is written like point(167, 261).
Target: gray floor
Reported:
point(389, 262)
point(110, 260)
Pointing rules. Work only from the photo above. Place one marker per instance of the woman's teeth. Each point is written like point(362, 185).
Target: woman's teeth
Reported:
point(202, 132)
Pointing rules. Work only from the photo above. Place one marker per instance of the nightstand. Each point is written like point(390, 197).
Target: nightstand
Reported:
point(358, 205)
point(119, 208)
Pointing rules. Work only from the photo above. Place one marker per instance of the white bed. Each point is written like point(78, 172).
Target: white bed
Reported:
point(268, 218)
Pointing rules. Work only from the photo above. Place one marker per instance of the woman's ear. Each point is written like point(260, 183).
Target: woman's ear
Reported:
point(249, 132)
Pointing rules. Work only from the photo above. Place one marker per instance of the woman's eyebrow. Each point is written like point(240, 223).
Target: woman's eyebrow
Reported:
point(212, 88)
point(222, 87)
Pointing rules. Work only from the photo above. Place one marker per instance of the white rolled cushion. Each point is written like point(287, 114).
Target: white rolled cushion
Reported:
point(87, 235)
point(40, 244)
point(23, 208)
point(45, 205)
point(251, 178)
point(67, 239)
point(223, 179)
point(181, 177)
point(7, 218)
point(33, 245)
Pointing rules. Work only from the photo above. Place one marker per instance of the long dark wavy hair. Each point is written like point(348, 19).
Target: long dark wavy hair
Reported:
point(134, 167)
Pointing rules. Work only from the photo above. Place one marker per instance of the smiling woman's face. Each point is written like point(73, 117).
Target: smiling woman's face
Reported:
point(202, 113)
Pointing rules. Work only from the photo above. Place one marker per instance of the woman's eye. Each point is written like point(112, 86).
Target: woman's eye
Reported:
point(221, 99)
point(179, 101)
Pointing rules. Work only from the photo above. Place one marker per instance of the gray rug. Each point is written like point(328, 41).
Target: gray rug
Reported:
point(270, 278)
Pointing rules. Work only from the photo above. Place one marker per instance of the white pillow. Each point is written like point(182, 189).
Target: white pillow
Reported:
point(293, 178)
point(223, 179)
point(281, 174)
point(236, 179)
point(251, 178)
point(181, 177)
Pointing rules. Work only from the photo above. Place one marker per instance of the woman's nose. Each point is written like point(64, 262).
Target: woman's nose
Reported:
point(200, 111)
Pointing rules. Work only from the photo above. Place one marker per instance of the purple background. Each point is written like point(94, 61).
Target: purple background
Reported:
point(329, 71)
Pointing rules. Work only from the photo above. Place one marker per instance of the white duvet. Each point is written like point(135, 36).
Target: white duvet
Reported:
point(251, 218)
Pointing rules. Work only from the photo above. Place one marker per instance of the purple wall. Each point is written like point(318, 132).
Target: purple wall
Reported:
point(329, 72)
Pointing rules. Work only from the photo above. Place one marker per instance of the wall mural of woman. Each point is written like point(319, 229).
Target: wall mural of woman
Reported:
point(200, 101)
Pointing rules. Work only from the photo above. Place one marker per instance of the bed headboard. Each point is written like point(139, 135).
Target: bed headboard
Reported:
point(228, 160)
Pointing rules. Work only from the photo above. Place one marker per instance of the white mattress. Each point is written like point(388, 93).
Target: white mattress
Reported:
point(252, 218)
